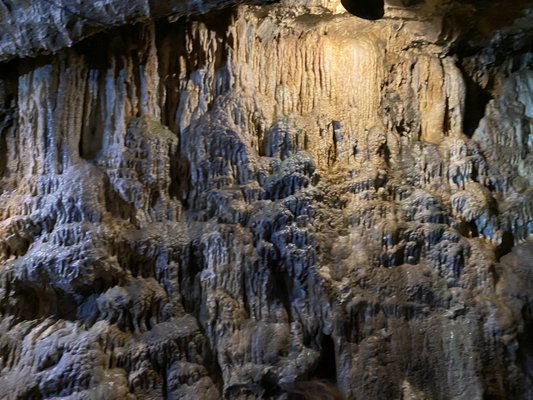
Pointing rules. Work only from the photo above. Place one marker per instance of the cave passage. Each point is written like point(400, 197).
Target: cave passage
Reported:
point(327, 366)
point(367, 9)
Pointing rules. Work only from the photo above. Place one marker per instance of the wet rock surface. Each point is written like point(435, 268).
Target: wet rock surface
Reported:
point(224, 205)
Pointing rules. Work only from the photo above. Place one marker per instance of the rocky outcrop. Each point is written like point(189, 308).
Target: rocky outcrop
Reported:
point(33, 27)
point(223, 205)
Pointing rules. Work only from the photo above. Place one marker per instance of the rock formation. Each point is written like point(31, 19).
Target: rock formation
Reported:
point(208, 200)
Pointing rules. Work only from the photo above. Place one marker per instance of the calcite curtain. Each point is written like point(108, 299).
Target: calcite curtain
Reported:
point(217, 200)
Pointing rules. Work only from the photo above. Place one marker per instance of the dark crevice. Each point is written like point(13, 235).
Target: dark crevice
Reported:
point(190, 267)
point(167, 36)
point(472, 229)
point(3, 149)
point(179, 174)
point(446, 123)
point(31, 301)
point(366, 9)
point(244, 287)
point(476, 101)
point(269, 383)
point(506, 245)
point(281, 288)
point(66, 305)
point(32, 394)
point(8, 108)
point(91, 137)
point(134, 260)
point(155, 196)
point(525, 341)
point(327, 366)
point(3, 152)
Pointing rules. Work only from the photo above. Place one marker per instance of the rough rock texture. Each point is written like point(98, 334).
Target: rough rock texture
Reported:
point(220, 205)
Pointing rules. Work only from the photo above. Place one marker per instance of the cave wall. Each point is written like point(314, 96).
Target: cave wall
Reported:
point(218, 205)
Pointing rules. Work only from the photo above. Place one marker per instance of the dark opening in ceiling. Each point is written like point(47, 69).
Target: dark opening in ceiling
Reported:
point(367, 9)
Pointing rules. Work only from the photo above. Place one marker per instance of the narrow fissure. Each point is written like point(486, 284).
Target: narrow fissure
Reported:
point(476, 100)
point(327, 365)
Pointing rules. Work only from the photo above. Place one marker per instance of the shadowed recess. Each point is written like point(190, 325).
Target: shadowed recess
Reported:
point(367, 9)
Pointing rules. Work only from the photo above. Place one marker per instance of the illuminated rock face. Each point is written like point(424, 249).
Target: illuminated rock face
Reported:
point(222, 205)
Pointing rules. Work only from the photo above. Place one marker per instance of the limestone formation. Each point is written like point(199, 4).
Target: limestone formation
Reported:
point(216, 200)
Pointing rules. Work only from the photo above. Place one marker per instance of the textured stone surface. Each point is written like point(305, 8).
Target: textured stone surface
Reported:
point(223, 205)
point(32, 27)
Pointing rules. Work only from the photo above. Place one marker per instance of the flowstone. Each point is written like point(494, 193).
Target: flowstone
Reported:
point(213, 200)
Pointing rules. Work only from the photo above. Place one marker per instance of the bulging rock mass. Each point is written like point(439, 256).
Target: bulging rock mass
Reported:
point(214, 200)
